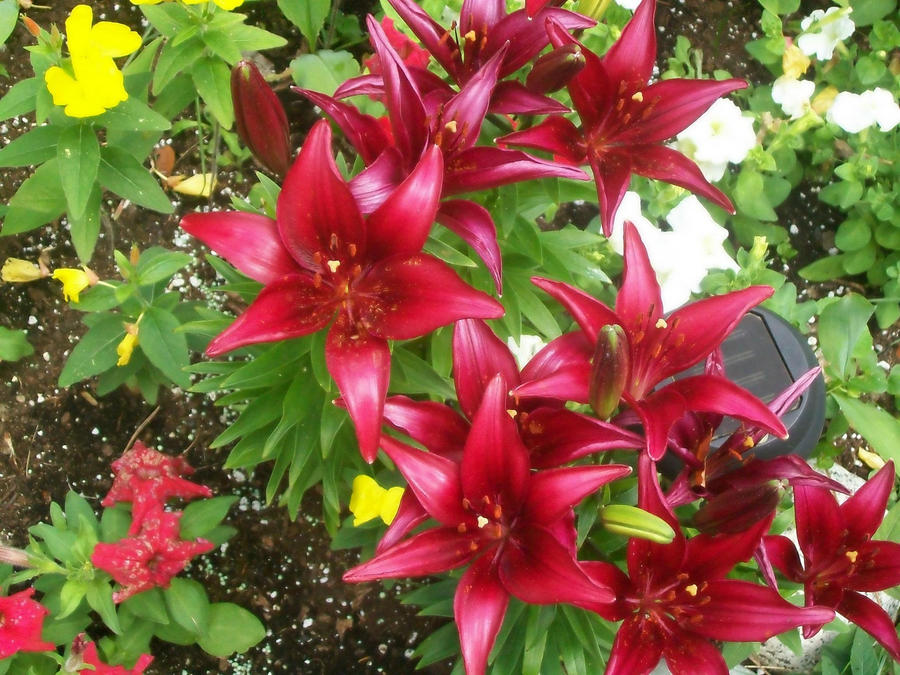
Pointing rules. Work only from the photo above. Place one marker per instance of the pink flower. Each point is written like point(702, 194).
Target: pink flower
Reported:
point(21, 623)
point(841, 558)
point(147, 478)
point(87, 653)
point(151, 559)
point(323, 263)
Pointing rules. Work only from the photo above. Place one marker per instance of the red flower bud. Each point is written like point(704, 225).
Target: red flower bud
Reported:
point(554, 69)
point(261, 121)
point(609, 370)
point(737, 510)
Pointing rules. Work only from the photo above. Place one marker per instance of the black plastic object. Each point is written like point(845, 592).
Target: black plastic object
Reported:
point(765, 354)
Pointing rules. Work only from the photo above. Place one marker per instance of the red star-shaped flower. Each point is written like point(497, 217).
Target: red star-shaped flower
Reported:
point(21, 623)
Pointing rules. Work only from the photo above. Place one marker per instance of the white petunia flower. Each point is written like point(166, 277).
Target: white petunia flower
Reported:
point(691, 221)
point(720, 135)
point(830, 30)
point(793, 95)
point(525, 349)
point(855, 112)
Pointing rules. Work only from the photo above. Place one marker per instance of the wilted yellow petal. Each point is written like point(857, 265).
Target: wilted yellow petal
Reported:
point(871, 459)
point(794, 62)
point(16, 270)
point(125, 348)
point(198, 185)
point(822, 101)
point(369, 501)
point(73, 281)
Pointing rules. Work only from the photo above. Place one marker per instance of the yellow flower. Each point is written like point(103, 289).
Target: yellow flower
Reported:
point(794, 62)
point(74, 281)
point(369, 500)
point(127, 345)
point(16, 270)
point(227, 5)
point(91, 83)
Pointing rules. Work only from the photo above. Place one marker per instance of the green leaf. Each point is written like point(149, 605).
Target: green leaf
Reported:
point(99, 597)
point(824, 269)
point(750, 196)
point(213, 81)
point(14, 345)
point(852, 235)
point(38, 201)
point(158, 264)
point(220, 43)
point(843, 194)
point(9, 14)
point(34, 147)
point(879, 428)
point(188, 605)
point(78, 155)
point(165, 347)
point(202, 516)
point(840, 326)
point(85, 229)
point(95, 352)
point(324, 70)
point(21, 97)
point(168, 18)
point(123, 174)
point(309, 16)
point(173, 59)
point(133, 115)
point(254, 39)
point(231, 629)
point(866, 12)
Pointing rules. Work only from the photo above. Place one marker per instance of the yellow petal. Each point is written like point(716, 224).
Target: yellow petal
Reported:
point(228, 5)
point(366, 499)
point(794, 62)
point(73, 281)
point(114, 39)
point(198, 185)
point(78, 29)
point(125, 348)
point(391, 504)
point(16, 270)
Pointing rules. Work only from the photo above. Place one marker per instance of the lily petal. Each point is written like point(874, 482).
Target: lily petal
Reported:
point(474, 225)
point(570, 349)
point(514, 98)
point(869, 616)
point(881, 569)
point(434, 425)
point(783, 555)
point(410, 515)
point(248, 241)
point(589, 313)
point(435, 480)
point(558, 436)
point(468, 108)
point(363, 131)
point(555, 134)
point(315, 206)
point(291, 307)
point(819, 523)
point(864, 511)
point(361, 367)
point(665, 164)
point(429, 552)
point(637, 648)
point(612, 173)
point(689, 653)
point(409, 296)
point(639, 302)
point(479, 606)
point(554, 491)
point(483, 167)
point(631, 58)
point(374, 184)
point(430, 33)
point(478, 356)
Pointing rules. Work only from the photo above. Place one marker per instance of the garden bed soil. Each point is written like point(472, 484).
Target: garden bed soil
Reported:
point(53, 440)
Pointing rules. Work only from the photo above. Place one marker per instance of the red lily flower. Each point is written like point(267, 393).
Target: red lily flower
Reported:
point(659, 348)
point(421, 118)
point(675, 598)
point(624, 120)
point(147, 478)
point(21, 623)
point(151, 559)
point(484, 30)
point(841, 558)
point(320, 259)
point(515, 527)
point(411, 53)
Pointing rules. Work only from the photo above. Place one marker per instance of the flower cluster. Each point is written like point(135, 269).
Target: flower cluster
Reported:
point(89, 83)
point(155, 552)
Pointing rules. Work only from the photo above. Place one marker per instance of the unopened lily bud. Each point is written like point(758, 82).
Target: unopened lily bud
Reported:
point(634, 522)
point(871, 459)
point(593, 8)
point(737, 510)
point(553, 70)
point(261, 121)
point(609, 370)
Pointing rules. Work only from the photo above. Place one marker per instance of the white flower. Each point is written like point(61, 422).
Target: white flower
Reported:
point(628, 4)
point(793, 95)
point(885, 110)
point(720, 135)
point(855, 112)
point(525, 349)
point(680, 258)
point(830, 31)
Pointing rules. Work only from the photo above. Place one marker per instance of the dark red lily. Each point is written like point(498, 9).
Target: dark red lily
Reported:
point(322, 260)
point(660, 347)
point(512, 526)
point(624, 121)
point(485, 30)
point(841, 558)
point(675, 598)
point(420, 119)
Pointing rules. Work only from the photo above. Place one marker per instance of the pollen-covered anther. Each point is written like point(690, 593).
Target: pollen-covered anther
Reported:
point(481, 521)
point(512, 413)
point(497, 512)
point(466, 504)
point(661, 323)
point(851, 555)
point(451, 126)
point(637, 96)
point(461, 528)
point(471, 36)
point(351, 248)
point(691, 589)
point(333, 265)
point(748, 442)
